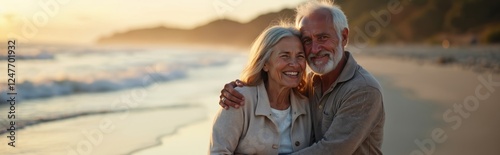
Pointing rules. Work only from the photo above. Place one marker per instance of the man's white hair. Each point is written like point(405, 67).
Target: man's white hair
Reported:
point(338, 17)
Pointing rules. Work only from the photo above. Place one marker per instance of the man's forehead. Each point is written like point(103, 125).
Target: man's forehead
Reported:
point(319, 17)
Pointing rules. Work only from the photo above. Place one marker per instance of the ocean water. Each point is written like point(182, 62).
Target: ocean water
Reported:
point(90, 100)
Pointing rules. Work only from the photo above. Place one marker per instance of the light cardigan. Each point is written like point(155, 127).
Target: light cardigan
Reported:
point(251, 130)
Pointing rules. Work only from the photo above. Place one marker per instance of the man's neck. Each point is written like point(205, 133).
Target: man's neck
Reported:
point(329, 78)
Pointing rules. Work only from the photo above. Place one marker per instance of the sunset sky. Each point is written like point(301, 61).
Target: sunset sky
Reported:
point(84, 21)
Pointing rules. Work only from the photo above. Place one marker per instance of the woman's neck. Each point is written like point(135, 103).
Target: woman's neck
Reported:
point(279, 97)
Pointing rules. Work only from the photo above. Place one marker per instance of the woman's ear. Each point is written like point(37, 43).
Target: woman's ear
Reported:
point(266, 67)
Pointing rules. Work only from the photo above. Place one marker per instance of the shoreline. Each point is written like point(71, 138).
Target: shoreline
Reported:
point(158, 139)
point(25, 124)
point(179, 135)
point(102, 133)
point(198, 134)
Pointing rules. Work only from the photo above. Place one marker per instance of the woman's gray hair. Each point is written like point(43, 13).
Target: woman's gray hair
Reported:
point(260, 52)
point(338, 17)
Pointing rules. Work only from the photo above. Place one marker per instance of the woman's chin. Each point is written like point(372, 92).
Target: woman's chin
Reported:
point(292, 85)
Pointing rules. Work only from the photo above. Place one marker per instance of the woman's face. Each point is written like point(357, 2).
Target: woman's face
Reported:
point(287, 63)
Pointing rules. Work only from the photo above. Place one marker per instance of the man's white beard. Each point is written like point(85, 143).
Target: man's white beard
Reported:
point(330, 65)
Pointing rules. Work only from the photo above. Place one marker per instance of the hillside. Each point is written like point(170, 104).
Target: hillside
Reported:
point(416, 22)
point(428, 21)
point(219, 32)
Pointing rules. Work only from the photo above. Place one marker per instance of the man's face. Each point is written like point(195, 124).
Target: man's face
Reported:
point(322, 45)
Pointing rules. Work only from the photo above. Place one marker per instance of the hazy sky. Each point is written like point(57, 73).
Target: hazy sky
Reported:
point(83, 21)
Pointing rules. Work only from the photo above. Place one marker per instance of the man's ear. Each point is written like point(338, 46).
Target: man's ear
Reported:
point(345, 37)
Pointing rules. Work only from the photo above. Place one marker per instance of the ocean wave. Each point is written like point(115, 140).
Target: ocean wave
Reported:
point(105, 81)
point(30, 54)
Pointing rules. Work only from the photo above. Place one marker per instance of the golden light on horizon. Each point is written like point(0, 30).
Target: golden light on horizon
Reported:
point(84, 21)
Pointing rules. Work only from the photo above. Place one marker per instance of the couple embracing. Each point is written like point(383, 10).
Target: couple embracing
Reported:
point(278, 108)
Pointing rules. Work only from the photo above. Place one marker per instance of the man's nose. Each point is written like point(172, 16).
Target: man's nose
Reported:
point(315, 47)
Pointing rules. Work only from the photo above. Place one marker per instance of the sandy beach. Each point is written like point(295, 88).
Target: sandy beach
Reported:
point(473, 131)
point(416, 98)
point(430, 109)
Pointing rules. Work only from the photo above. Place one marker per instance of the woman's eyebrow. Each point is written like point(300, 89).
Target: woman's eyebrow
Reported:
point(284, 52)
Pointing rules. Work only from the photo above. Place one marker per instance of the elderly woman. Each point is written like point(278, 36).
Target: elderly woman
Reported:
point(276, 117)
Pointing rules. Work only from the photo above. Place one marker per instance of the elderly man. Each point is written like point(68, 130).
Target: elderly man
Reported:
point(346, 101)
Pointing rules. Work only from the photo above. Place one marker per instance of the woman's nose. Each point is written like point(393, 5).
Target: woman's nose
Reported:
point(293, 62)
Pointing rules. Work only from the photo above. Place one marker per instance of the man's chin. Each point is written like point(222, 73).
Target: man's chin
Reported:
point(322, 70)
point(315, 70)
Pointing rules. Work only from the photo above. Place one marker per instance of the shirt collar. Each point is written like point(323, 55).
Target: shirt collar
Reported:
point(263, 105)
point(349, 69)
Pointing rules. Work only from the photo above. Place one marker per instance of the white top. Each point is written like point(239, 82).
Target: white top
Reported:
point(283, 118)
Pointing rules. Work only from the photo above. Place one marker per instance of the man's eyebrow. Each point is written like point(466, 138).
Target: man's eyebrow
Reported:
point(321, 34)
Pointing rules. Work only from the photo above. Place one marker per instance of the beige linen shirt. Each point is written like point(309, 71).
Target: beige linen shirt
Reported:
point(251, 130)
point(349, 117)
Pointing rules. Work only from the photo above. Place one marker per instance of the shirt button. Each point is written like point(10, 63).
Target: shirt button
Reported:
point(320, 106)
point(297, 143)
point(275, 146)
